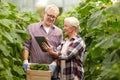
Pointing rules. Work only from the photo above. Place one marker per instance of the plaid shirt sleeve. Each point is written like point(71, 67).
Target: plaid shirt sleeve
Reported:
point(73, 49)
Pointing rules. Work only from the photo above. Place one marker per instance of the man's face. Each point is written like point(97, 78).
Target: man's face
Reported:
point(50, 17)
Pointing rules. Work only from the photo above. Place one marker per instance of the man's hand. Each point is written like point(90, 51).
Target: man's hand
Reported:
point(52, 66)
point(25, 65)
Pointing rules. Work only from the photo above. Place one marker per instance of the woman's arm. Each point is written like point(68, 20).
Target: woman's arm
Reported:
point(49, 49)
point(73, 50)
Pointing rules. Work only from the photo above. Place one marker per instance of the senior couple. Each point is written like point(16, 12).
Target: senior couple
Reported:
point(65, 56)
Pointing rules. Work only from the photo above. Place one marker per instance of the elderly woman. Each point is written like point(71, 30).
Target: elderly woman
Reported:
point(70, 52)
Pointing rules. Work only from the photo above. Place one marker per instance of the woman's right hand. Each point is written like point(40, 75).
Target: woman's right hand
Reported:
point(47, 47)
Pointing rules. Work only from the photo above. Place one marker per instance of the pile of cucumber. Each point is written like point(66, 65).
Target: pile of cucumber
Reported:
point(39, 67)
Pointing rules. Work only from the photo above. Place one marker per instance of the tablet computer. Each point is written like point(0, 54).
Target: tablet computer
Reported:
point(39, 40)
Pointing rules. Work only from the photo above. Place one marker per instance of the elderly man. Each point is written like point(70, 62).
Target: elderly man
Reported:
point(44, 28)
point(70, 52)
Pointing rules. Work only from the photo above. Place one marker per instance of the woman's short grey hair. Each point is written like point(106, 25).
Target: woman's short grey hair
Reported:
point(74, 22)
point(52, 6)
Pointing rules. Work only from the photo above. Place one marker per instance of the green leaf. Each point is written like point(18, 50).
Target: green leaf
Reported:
point(106, 42)
point(1, 65)
point(6, 62)
point(7, 25)
point(96, 52)
point(6, 74)
point(7, 36)
point(114, 10)
point(4, 50)
point(21, 34)
point(11, 6)
point(94, 20)
point(18, 69)
point(18, 78)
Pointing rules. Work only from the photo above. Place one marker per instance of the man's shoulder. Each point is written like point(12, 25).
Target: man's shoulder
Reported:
point(34, 24)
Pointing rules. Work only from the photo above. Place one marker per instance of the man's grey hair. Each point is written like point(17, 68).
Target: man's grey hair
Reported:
point(52, 6)
point(74, 22)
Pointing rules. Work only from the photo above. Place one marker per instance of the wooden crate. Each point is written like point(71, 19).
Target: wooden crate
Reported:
point(38, 74)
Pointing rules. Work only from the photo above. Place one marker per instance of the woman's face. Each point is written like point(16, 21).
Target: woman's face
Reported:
point(67, 28)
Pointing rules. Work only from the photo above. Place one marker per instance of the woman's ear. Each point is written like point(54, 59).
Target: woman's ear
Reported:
point(74, 28)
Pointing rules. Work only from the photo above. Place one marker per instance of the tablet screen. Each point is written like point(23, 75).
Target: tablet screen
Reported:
point(39, 40)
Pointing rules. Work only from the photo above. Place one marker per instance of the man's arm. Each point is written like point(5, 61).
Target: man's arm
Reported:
point(25, 57)
point(25, 54)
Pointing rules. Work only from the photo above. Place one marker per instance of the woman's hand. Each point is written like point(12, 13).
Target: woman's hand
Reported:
point(47, 47)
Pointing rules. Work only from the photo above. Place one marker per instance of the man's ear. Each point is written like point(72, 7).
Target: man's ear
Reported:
point(43, 14)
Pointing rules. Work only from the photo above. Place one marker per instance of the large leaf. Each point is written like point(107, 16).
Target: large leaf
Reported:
point(18, 69)
point(106, 42)
point(7, 36)
point(6, 74)
point(1, 65)
point(95, 19)
point(13, 32)
point(4, 49)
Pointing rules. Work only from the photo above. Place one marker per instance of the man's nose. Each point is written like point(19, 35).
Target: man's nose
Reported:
point(51, 18)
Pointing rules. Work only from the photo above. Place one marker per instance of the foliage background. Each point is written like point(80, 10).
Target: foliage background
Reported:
point(13, 25)
point(100, 28)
